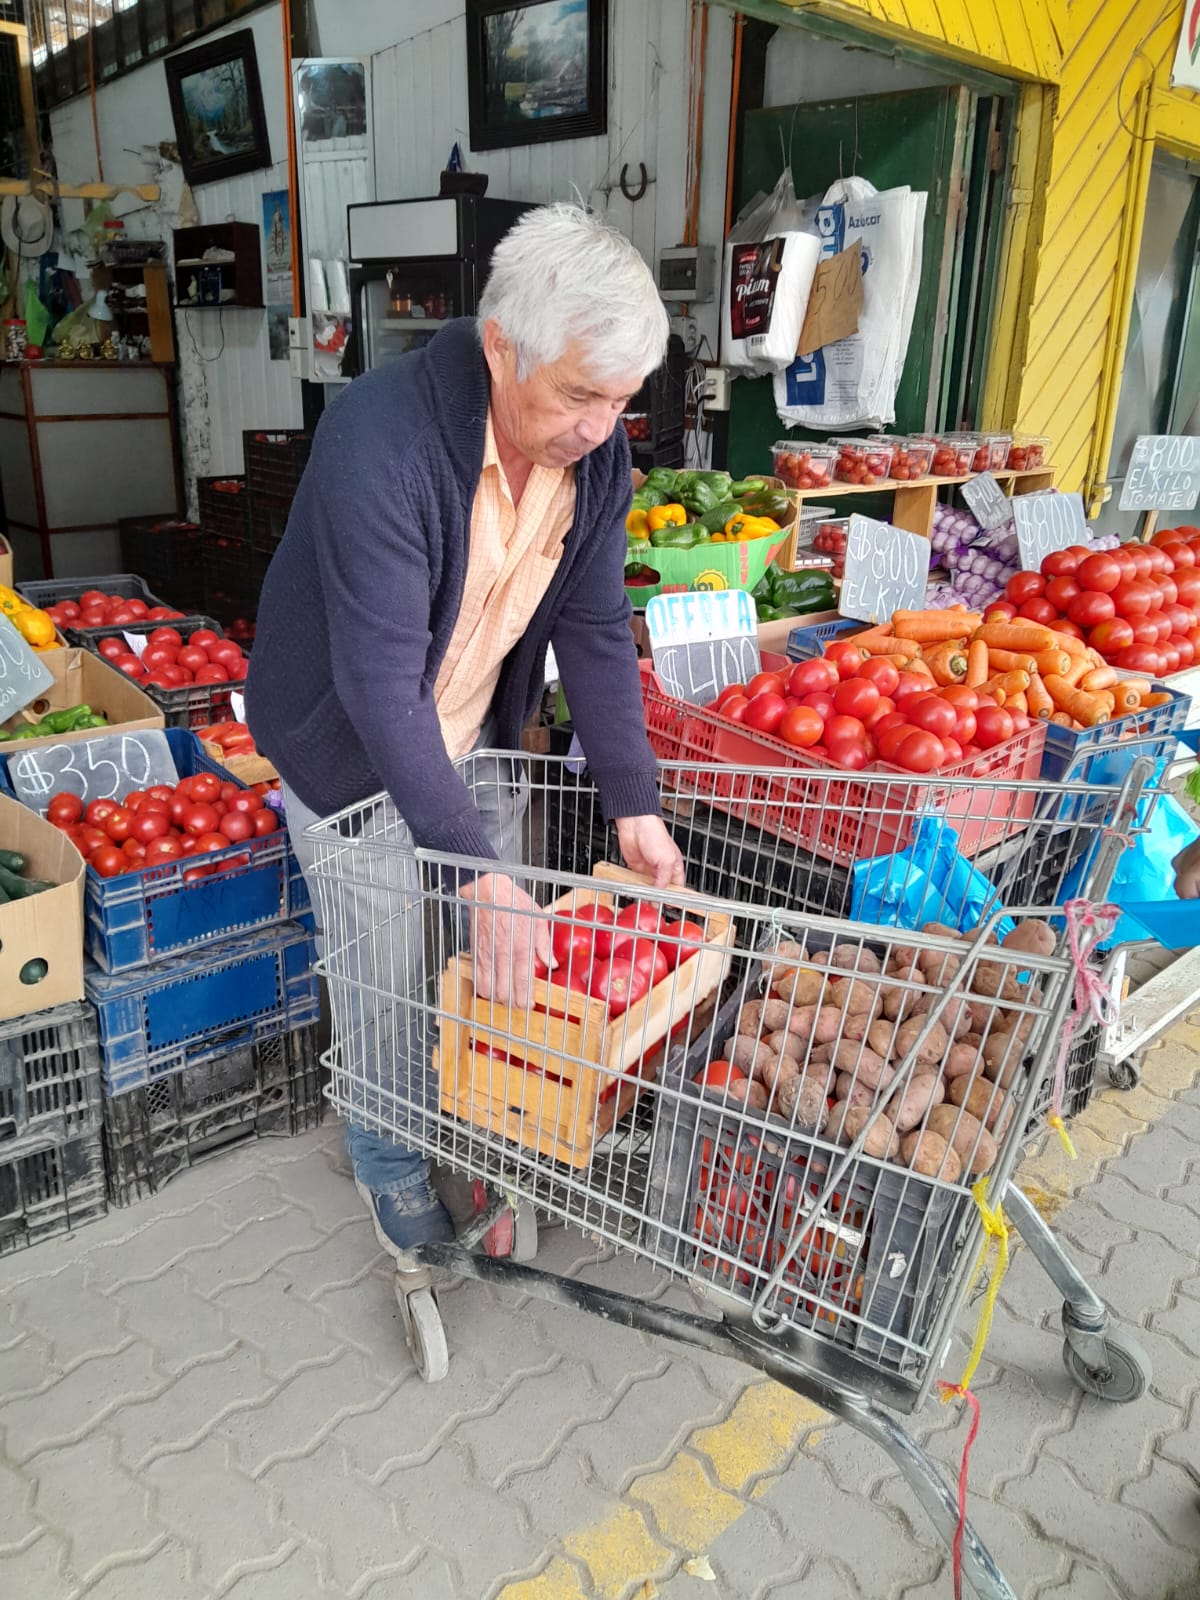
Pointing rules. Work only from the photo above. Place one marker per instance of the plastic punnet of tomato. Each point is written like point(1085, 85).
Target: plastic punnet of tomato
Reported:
point(864, 461)
point(803, 466)
point(957, 452)
point(911, 459)
point(637, 424)
point(998, 446)
point(1027, 452)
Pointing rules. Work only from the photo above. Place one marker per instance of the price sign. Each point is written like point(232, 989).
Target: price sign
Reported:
point(703, 641)
point(887, 570)
point(23, 675)
point(1045, 522)
point(106, 768)
point(1164, 474)
point(987, 501)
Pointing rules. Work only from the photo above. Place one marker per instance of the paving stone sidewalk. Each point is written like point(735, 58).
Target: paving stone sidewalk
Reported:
point(209, 1395)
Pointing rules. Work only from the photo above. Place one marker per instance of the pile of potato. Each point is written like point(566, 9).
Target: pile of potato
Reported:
point(829, 1037)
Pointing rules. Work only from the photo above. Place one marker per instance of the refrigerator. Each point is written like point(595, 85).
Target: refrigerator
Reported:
point(414, 264)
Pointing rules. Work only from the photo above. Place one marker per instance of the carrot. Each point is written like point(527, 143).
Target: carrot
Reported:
point(1016, 636)
point(1012, 661)
point(879, 641)
point(1060, 719)
point(1138, 686)
point(1099, 678)
point(1053, 661)
point(977, 664)
point(1017, 702)
point(920, 666)
point(1040, 703)
point(931, 627)
point(901, 663)
point(1078, 669)
point(1011, 682)
point(1127, 696)
point(1068, 642)
point(1162, 698)
point(947, 662)
point(1089, 709)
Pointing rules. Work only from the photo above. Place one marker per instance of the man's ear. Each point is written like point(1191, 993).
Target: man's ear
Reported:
point(497, 349)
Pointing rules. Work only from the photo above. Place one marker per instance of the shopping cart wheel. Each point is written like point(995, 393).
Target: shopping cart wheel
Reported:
point(1124, 1379)
point(424, 1330)
point(525, 1232)
point(1125, 1074)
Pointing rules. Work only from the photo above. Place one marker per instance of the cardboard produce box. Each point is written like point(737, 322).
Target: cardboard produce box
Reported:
point(248, 769)
point(81, 678)
point(6, 562)
point(714, 566)
point(46, 927)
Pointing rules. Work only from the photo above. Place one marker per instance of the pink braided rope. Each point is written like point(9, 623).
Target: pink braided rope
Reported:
point(1087, 926)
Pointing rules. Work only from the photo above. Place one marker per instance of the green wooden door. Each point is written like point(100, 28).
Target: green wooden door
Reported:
point(921, 138)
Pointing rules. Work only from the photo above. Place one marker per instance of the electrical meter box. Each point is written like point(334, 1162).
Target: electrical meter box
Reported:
point(687, 272)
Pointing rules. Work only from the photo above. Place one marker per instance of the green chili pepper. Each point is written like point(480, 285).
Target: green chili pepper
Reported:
point(746, 486)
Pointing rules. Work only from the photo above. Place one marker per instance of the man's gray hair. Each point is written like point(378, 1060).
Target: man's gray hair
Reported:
point(563, 273)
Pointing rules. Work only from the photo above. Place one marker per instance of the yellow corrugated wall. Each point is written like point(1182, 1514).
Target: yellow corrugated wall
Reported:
point(1108, 63)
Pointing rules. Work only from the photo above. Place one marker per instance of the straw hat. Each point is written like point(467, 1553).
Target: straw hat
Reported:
point(26, 224)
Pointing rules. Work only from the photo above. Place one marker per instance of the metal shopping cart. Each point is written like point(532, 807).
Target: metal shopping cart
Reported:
point(831, 1251)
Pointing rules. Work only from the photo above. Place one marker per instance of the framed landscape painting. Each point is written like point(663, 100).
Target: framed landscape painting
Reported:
point(217, 107)
point(536, 72)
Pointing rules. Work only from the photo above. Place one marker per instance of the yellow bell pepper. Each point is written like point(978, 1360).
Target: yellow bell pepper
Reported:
point(636, 525)
point(11, 603)
point(666, 517)
point(742, 527)
point(35, 627)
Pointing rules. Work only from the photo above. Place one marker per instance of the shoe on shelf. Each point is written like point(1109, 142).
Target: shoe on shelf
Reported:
point(408, 1217)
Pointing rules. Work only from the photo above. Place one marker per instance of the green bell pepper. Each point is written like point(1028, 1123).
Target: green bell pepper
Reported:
point(646, 498)
point(745, 486)
point(702, 492)
point(771, 503)
point(638, 576)
point(797, 592)
point(770, 613)
point(680, 536)
point(662, 478)
point(716, 519)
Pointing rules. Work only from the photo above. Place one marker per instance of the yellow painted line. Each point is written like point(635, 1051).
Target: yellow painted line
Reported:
point(706, 1487)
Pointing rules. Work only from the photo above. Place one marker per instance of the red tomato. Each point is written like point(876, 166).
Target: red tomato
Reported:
point(920, 751)
point(893, 719)
point(167, 636)
point(99, 811)
point(964, 723)
point(679, 940)
point(907, 685)
point(194, 874)
point(118, 824)
point(226, 654)
point(1143, 564)
point(857, 697)
point(1165, 587)
point(64, 808)
point(719, 1075)
point(766, 683)
point(203, 637)
point(158, 655)
point(572, 945)
point(1186, 649)
point(735, 708)
point(244, 800)
point(265, 821)
point(931, 714)
point(618, 983)
point(204, 787)
point(880, 671)
point(200, 819)
point(165, 849)
point(211, 674)
point(1145, 631)
point(890, 740)
point(1162, 625)
point(801, 726)
point(952, 752)
point(993, 725)
point(1181, 618)
point(821, 702)
point(1038, 610)
point(810, 677)
point(148, 825)
point(1061, 563)
point(1160, 561)
point(192, 657)
point(958, 694)
point(108, 861)
point(1187, 582)
point(1065, 625)
point(1062, 590)
point(1021, 721)
point(1132, 599)
point(849, 753)
point(1169, 654)
point(1141, 658)
point(109, 648)
point(1167, 536)
point(1091, 607)
point(639, 917)
point(1099, 573)
point(765, 712)
point(1180, 554)
point(1116, 634)
point(646, 957)
point(134, 850)
point(206, 843)
point(727, 694)
point(845, 657)
point(885, 708)
point(841, 728)
point(1024, 586)
point(1000, 611)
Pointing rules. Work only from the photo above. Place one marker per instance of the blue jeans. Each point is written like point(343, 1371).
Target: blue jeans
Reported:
point(373, 930)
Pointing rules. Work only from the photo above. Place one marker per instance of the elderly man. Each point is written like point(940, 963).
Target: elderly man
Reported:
point(463, 509)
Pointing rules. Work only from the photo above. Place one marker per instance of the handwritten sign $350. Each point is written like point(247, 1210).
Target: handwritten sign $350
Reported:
point(887, 570)
point(105, 768)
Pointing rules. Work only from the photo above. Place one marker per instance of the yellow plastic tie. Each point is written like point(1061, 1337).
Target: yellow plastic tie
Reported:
point(1060, 1128)
point(995, 1228)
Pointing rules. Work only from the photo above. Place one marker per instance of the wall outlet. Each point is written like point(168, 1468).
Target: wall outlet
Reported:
point(714, 391)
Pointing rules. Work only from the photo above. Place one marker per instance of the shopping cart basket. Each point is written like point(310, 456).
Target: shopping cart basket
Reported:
point(772, 1110)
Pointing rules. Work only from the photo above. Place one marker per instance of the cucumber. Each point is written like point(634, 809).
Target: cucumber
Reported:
point(13, 860)
point(17, 888)
point(34, 971)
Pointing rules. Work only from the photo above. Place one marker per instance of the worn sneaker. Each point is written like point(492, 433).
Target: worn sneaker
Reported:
point(408, 1217)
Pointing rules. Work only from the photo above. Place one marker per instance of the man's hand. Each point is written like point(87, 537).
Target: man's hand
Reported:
point(1187, 872)
point(648, 848)
point(505, 942)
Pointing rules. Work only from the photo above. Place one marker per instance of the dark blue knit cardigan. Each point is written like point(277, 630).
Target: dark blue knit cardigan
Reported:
point(361, 599)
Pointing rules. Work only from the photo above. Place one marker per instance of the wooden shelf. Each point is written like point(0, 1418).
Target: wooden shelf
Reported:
point(891, 485)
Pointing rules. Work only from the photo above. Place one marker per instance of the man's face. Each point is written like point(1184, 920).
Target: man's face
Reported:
point(561, 411)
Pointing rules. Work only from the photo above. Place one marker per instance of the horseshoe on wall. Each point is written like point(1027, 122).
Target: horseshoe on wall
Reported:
point(634, 194)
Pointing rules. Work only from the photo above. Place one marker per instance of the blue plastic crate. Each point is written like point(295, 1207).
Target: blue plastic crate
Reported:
point(142, 917)
point(1116, 745)
point(170, 1016)
point(806, 642)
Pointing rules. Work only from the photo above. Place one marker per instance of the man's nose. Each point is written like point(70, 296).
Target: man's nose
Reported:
point(597, 425)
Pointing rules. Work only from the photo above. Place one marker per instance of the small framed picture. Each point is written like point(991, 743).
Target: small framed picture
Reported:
point(536, 72)
point(217, 106)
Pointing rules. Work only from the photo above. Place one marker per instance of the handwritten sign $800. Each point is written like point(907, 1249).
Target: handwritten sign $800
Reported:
point(106, 768)
point(703, 641)
point(1164, 474)
point(1046, 522)
point(887, 570)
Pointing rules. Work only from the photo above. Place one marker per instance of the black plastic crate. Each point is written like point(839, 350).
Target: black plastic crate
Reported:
point(268, 523)
point(275, 462)
point(50, 1085)
point(51, 1190)
point(1079, 1083)
point(268, 1090)
point(192, 705)
point(224, 507)
point(52, 591)
point(662, 399)
point(230, 585)
point(167, 553)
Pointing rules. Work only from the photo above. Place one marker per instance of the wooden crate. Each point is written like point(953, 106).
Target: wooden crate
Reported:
point(556, 1079)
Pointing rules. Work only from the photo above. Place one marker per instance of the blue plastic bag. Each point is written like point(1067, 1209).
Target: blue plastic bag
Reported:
point(928, 882)
point(1144, 871)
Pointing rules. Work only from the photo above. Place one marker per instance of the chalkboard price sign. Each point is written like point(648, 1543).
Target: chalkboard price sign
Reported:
point(1164, 474)
point(106, 768)
point(887, 570)
point(23, 675)
point(702, 641)
point(987, 501)
point(1046, 522)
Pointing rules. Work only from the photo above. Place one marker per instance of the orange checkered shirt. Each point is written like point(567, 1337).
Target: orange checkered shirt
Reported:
point(513, 554)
